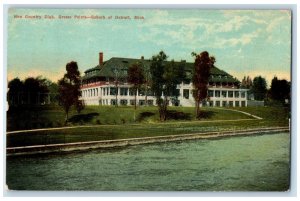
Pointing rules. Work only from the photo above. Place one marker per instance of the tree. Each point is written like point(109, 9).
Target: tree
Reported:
point(14, 94)
point(136, 78)
point(157, 70)
point(69, 88)
point(202, 65)
point(280, 89)
point(165, 77)
point(259, 88)
point(246, 83)
point(173, 75)
point(147, 84)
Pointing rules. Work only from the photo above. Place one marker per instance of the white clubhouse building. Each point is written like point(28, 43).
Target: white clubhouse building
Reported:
point(99, 87)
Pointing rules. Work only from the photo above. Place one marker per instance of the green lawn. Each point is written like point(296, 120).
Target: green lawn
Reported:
point(53, 116)
point(119, 123)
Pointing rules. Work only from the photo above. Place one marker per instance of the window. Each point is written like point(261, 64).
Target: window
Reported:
point(237, 103)
point(224, 103)
point(237, 94)
point(123, 91)
point(224, 94)
point(150, 102)
point(243, 94)
point(131, 92)
point(113, 91)
point(230, 94)
point(243, 103)
point(217, 93)
point(230, 103)
point(113, 101)
point(210, 93)
point(186, 94)
point(132, 102)
point(123, 102)
point(218, 103)
point(141, 92)
point(141, 102)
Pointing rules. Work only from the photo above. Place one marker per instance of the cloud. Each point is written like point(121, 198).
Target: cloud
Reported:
point(209, 32)
point(244, 39)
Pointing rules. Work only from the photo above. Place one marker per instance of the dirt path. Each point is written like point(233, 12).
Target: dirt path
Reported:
point(246, 113)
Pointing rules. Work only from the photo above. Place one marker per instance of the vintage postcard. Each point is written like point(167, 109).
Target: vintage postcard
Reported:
point(148, 100)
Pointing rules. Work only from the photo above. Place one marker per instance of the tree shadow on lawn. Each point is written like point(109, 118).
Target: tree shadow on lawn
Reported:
point(83, 118)
point(175, 115)
point(206, 114)
point(142, 116)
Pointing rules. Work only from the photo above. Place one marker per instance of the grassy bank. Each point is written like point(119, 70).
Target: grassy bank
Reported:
point(53, 116)
point(108, 123)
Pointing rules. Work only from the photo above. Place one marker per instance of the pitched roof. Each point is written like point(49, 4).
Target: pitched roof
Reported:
point(122, 65)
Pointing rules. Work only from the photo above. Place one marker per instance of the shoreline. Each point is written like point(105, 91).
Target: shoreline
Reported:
point(81, 146)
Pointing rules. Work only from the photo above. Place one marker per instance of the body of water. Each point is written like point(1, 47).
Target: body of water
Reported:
point(252, 163)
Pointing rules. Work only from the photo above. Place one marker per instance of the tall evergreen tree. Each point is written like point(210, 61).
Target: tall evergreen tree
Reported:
point(280, 89)
point(259, 88)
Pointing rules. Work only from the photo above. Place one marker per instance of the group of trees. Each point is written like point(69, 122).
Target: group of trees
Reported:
point(279, 89)
point(37, 91)
point(31, 91)
point(165, 76)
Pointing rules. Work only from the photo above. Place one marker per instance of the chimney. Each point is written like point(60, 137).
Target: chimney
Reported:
point(100, 58)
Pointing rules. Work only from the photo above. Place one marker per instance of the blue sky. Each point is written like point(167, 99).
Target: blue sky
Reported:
point(244, 42)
